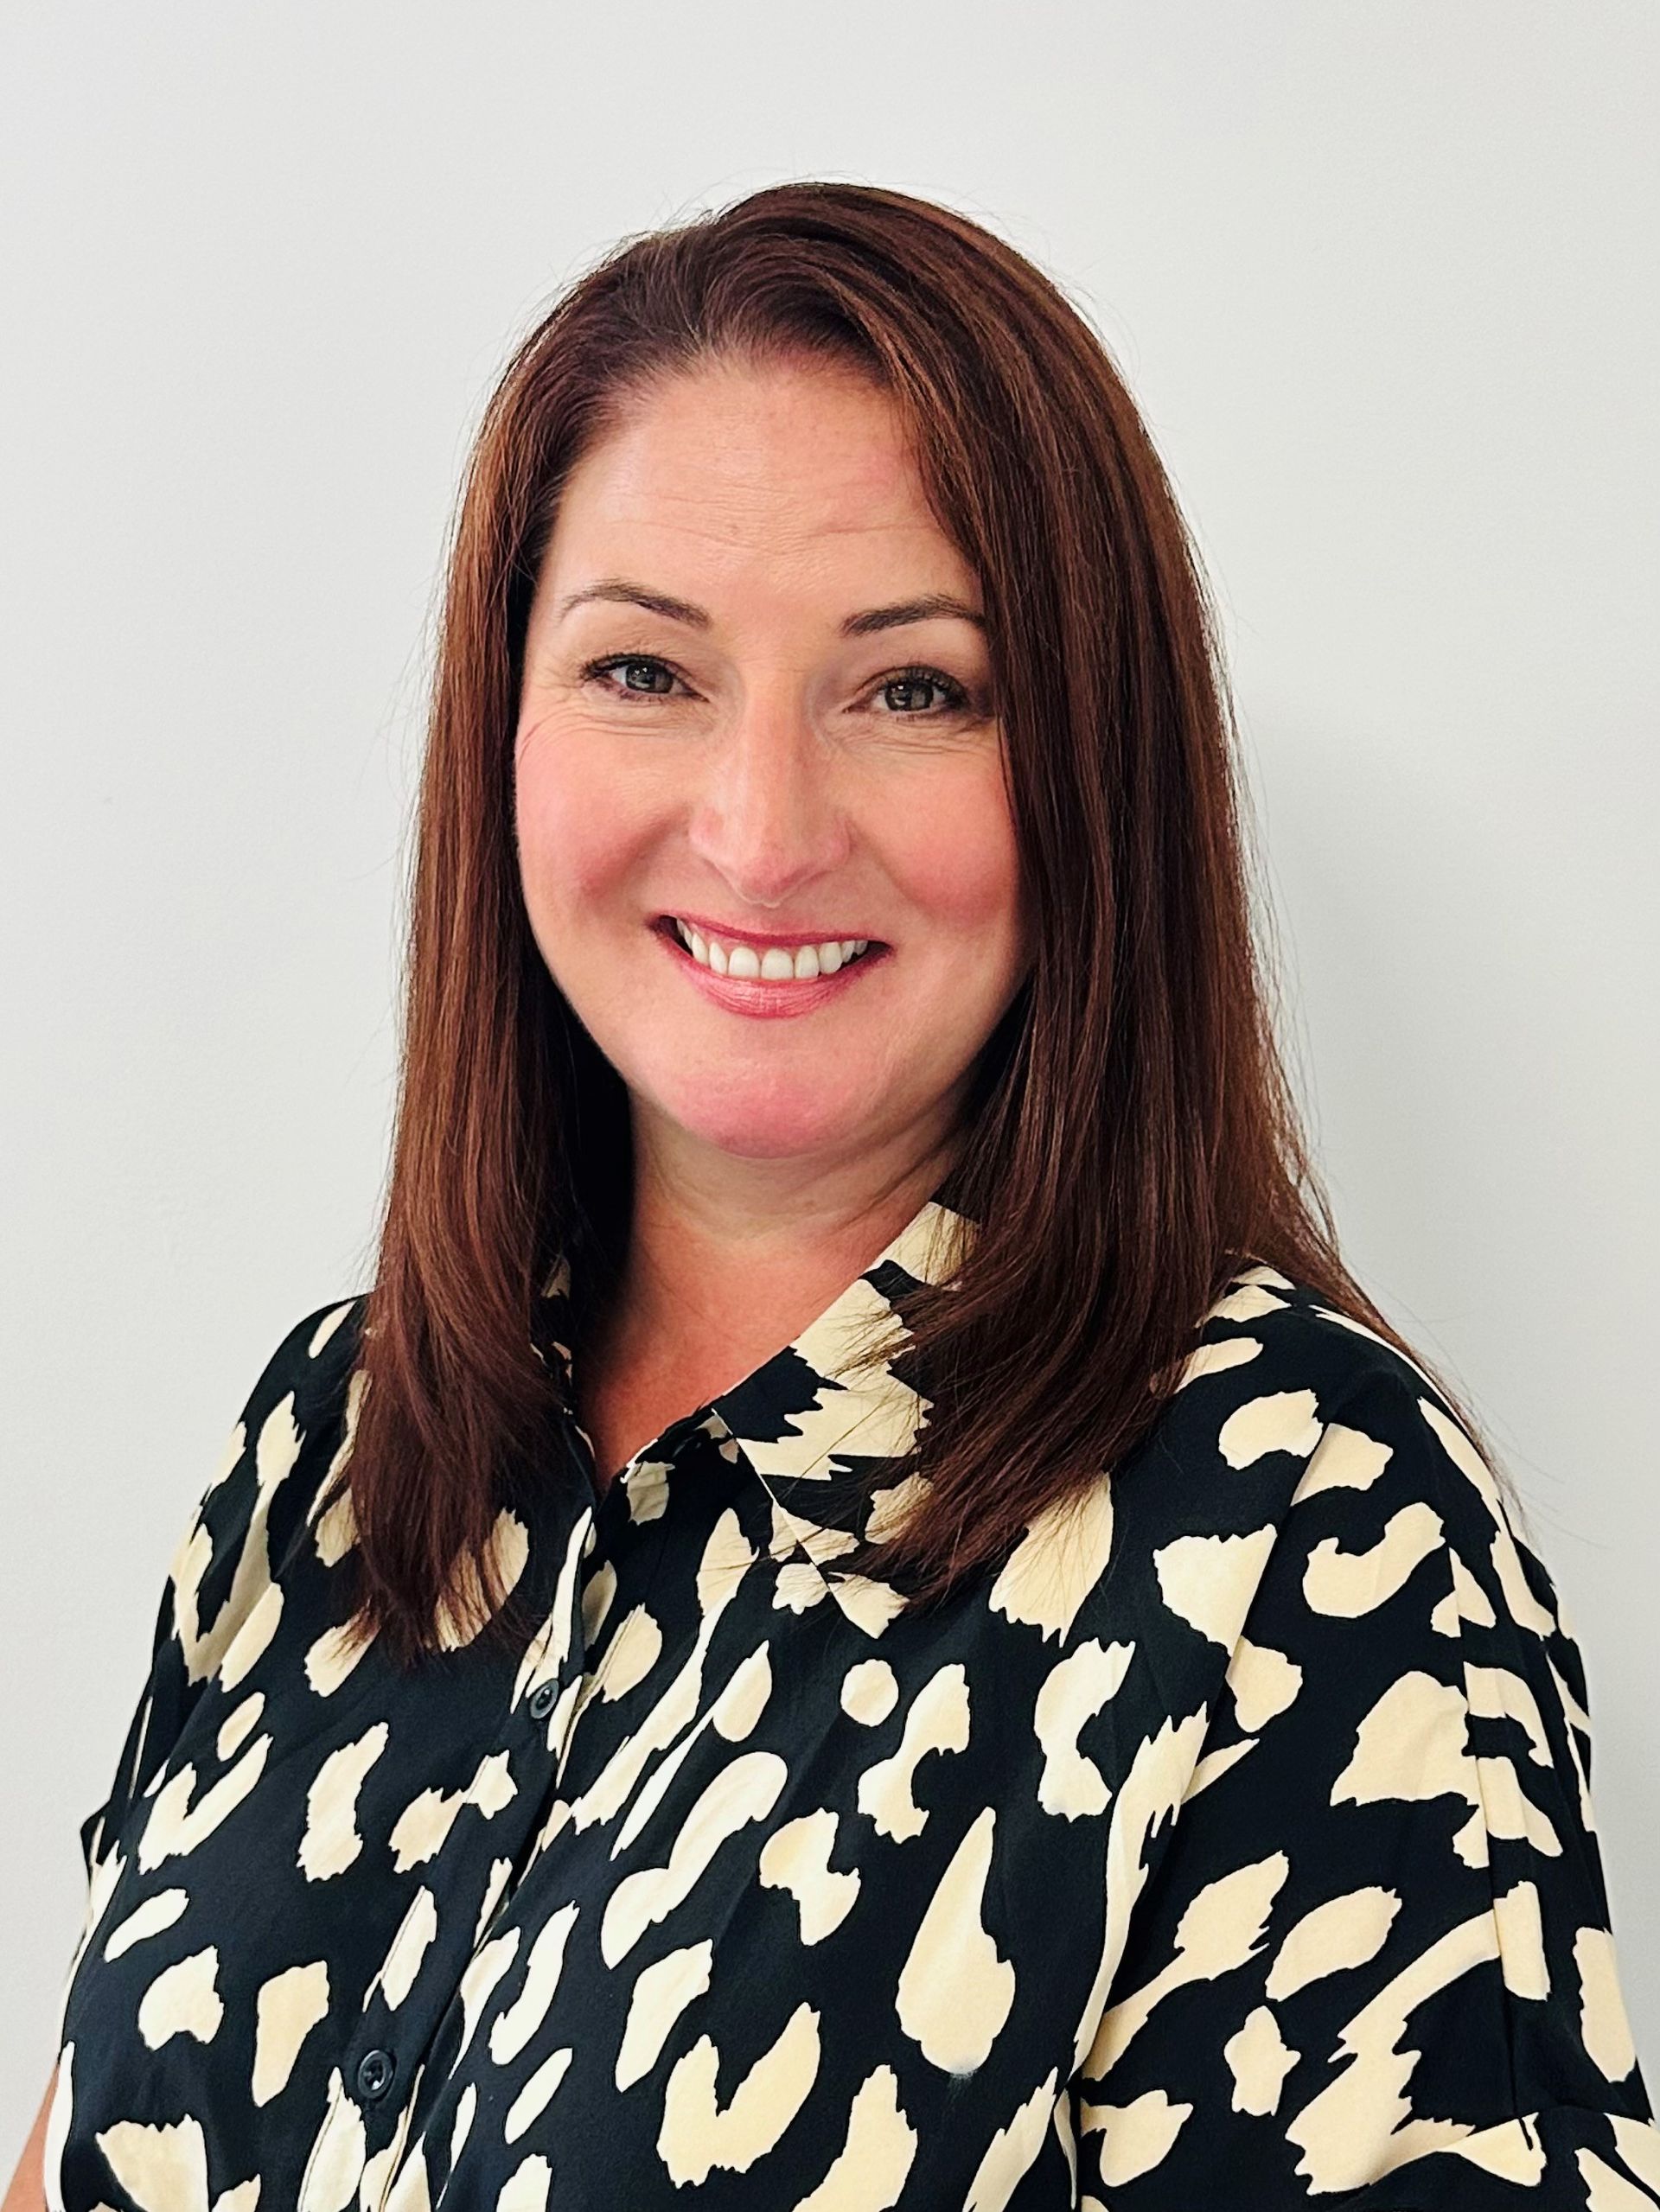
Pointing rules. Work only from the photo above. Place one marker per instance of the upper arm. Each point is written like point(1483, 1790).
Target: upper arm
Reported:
point(1377, 1943)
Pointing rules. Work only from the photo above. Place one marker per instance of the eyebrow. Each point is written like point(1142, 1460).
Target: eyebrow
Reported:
point(929, 608)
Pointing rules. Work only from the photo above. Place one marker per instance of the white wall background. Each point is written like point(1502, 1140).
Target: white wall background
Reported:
point(1382, 275)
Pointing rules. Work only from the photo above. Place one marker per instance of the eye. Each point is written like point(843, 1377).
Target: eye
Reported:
point(920, 678)
point(631, 661)
point(907, 682)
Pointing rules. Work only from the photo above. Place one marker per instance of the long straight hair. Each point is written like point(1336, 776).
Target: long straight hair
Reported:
point(1132, 1139)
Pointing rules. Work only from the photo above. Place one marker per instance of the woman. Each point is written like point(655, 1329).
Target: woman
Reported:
point(865, 1614)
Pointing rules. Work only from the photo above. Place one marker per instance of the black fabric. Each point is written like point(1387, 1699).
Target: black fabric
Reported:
point(1229, 1846)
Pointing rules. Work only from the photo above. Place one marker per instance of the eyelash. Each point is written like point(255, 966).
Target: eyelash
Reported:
point(957, 694)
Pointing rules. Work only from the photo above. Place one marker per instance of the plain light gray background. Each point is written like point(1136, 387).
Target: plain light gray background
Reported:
point(1381, 277)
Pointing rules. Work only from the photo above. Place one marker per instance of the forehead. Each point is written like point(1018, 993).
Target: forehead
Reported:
point(732, 461)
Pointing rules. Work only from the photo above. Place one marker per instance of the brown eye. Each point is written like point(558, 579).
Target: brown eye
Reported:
point(910, 683)
point(631, 664)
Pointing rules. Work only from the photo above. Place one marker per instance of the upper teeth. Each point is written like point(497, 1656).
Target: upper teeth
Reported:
point(773, 963)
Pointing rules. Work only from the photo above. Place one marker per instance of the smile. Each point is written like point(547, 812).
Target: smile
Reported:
point(759, 983)
point(768, 962)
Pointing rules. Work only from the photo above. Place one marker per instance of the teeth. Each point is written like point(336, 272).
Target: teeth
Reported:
point(775, 965)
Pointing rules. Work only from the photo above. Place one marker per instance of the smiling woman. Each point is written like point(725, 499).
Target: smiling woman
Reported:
point(864, 1614)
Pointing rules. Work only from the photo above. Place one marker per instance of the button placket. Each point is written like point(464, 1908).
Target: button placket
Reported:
point(685, 1446)
point(377, 2085)
point(377, 2067)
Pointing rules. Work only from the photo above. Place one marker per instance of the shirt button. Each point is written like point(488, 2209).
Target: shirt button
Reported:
point(374, 2072)
point(542, 1699)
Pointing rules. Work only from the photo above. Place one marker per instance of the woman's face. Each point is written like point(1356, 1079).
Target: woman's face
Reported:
point(785, 745)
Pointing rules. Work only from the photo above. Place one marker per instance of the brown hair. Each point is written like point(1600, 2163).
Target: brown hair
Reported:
point(1132, 1141)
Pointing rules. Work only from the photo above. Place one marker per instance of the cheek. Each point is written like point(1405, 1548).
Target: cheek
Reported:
point(576, 830)
point(956, 861)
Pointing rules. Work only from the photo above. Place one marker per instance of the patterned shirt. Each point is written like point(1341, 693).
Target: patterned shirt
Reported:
point(1228, 1844)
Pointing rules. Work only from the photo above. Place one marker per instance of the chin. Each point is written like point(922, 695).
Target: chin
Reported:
point(761, 1132)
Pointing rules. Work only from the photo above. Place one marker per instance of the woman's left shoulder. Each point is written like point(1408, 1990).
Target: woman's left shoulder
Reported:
point(1289, 1401)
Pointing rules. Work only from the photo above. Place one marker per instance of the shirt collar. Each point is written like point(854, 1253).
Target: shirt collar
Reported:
point(809, 1438)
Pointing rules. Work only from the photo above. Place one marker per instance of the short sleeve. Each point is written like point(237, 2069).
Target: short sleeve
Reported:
point(218, 1589)
point(1373, 1966)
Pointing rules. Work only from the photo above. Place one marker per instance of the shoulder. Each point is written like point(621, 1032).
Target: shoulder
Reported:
point(1305, 1463)
point(1300, 1396)
point(292, 1433)
point(298, 1402)
point(228, 1590)
point(1274, 1360)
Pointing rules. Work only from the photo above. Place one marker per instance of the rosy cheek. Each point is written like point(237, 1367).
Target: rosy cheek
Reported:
point(963, 868)
point(575, 834)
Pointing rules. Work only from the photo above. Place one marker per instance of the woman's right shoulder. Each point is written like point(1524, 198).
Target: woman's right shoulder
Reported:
point(305, 1379)
point(293, 1436)
point(311, 1363)
point(240, 1587)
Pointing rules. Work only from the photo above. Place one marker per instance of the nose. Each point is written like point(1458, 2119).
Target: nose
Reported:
point(770, 809)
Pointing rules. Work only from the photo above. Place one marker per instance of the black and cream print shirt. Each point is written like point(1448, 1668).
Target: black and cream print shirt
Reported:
point(1233, 1852)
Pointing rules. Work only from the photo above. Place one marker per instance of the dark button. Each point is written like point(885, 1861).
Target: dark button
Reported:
point(374, 2072)
point(542, 1699)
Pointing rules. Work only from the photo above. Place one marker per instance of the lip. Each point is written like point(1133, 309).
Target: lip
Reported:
point(758, 998)
point(730, 933)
